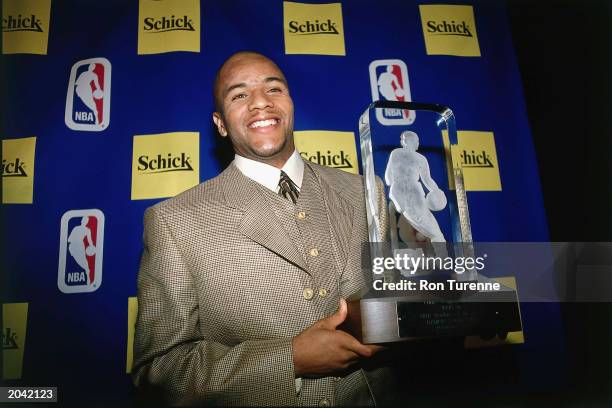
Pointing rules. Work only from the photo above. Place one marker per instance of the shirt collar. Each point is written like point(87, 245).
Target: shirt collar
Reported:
point(267, 175)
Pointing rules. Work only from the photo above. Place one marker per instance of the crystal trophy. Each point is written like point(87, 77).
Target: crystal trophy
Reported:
point(425, 278)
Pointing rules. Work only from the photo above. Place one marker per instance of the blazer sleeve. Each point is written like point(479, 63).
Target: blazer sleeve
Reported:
point(172, 354)
point(383, 210)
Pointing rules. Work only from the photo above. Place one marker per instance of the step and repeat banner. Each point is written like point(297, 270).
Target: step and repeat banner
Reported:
point(107, 110)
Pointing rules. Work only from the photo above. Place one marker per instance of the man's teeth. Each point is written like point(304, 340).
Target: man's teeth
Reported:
point(262, 123)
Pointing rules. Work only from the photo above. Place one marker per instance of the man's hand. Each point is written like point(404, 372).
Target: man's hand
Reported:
point(322, 350)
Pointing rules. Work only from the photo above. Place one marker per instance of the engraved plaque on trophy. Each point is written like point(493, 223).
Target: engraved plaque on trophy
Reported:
point(425, 277)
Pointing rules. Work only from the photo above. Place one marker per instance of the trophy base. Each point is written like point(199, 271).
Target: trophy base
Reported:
point(426, 315)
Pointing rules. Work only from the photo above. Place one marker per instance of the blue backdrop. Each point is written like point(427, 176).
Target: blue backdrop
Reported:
point(78, 341)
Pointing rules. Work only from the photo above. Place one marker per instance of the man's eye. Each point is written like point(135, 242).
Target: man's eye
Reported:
point(274, 90)
point(238, 96)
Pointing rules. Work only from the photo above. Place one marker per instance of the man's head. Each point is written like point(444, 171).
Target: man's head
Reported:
point(254, 108)
point(409, 140)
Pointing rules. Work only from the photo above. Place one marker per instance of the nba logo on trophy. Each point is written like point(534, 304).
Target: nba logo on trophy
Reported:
point(81, 249)
point(389, 82)
point(88, 97)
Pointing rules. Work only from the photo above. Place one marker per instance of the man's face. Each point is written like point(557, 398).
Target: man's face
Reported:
point(257, 111)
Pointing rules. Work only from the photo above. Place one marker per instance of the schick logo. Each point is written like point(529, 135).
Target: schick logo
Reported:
point(309, 27)
point(161, 164)
point(339, 161)
point(449, 28)
point(9, 340)
point(474, 159)
point(168, 24)
point(20, 23)
point(13, 168)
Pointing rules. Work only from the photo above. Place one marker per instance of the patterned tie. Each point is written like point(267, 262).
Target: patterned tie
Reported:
point(287, 188)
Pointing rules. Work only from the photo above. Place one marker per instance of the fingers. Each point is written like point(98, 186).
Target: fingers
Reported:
point(349, 358)
point(347, 341)
point(374, 348)
point(352, 344)
point(363, 350)
point(337, 318)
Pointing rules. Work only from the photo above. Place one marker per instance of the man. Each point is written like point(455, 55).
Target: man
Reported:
point(240, 289)
point(86, 93)
point(77, 248)
point(388, 85)
point(405, 168)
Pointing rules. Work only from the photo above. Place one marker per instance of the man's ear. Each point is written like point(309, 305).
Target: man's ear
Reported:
point(219, 123)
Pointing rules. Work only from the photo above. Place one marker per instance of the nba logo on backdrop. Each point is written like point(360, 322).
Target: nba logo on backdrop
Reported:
point(389, 82)
point(81, 250)
point(88, 98)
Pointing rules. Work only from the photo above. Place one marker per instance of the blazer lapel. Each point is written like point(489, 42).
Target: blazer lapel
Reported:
point(259, 222)
point(340, 212)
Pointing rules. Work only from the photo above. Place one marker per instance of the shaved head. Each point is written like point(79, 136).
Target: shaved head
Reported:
point(240, 56)
point(254, 108)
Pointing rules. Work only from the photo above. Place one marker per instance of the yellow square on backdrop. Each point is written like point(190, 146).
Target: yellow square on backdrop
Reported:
point(25, 26)
point(477, 155)
point(313, 28)
point(449, 30)
point(328, 148)
point(18, 170)
point(14, 325)
point(168, 25)
point(132, 313)
point(165, 164)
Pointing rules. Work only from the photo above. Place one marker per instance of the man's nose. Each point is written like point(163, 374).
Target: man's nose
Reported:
point(260, 100)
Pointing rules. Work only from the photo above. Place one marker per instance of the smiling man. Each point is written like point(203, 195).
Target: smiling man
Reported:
point(255, 109)
point(242, 278)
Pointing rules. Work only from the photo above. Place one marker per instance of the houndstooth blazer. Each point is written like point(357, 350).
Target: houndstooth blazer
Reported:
point(220, 293)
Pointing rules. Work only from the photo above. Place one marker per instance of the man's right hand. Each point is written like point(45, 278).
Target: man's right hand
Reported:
point(322, 350)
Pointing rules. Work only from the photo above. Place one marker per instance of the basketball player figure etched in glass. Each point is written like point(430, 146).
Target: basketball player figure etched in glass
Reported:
point(404, 169)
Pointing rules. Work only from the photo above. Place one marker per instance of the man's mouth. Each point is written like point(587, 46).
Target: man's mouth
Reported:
point(264, 123)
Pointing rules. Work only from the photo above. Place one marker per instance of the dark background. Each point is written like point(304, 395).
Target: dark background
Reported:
point(564, 53)
point(564, 50)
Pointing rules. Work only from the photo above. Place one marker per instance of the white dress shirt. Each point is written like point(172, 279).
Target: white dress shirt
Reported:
point(269, 176)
